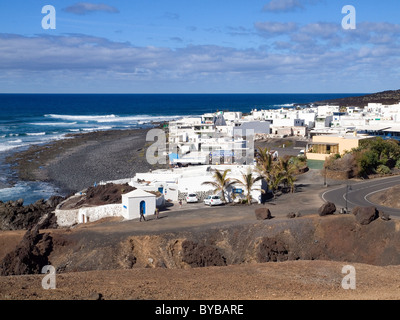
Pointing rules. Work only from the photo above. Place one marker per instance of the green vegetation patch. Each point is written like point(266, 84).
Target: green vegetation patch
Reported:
point(315, 164)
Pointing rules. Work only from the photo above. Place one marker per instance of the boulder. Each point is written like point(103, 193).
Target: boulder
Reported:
point(365, 215)
point(263, 214)
point(95, 296)
point(54, 201)
point(19, 203)
point(326, 209)
point(291, 215)
point(384, 216)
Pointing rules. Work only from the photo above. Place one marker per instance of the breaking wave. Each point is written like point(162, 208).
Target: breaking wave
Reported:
point(111, 118)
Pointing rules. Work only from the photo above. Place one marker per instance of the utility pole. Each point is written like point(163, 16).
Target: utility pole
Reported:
point(347, 194)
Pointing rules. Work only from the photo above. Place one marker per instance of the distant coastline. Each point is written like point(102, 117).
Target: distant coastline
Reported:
point(74, 164)
point(388, 97)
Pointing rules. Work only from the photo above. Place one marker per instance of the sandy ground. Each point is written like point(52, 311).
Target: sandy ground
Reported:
point(295, 280)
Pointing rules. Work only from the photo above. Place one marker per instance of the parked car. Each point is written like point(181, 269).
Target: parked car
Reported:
point(213, 201)
point(207, 200)
point(192, 197)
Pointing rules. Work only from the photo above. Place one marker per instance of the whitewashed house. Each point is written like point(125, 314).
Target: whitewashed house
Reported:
point(135, 201)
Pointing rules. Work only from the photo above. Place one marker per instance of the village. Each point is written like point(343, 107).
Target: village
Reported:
point(200, 148)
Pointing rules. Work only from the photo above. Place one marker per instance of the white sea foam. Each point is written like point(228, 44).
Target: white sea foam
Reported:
point(30, 191)
point(15, 141)
point(98, 128)
point(9, 147)
point(142, 119)
point(112, 118)
point(79, 117)
point(53, 123)
point(36, 134)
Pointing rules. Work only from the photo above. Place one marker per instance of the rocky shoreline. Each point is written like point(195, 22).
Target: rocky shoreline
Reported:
point(80, 160)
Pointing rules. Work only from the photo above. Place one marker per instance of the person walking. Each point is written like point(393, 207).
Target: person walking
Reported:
point(157, 212)
point(142, 214)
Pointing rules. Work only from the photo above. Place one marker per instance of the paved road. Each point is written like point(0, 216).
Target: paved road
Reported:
point(357, 194)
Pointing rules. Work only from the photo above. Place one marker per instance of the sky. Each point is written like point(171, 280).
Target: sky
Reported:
point(199, 46)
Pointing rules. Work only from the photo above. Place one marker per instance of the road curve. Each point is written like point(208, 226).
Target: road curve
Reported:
point(357, 194)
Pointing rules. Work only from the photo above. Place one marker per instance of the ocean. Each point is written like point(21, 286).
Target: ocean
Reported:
point(28, 119)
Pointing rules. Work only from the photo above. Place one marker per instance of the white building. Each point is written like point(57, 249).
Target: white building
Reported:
point(233, 116)
point(327, 110)
point(194, 140)
point(136, 201)
point(282, 118)
point(190, 180)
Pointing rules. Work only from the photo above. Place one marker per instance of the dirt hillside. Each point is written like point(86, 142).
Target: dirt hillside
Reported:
point(280, 258)
point(388, 198)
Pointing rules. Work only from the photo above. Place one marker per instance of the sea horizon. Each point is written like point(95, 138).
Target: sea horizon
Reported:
point(180, 93)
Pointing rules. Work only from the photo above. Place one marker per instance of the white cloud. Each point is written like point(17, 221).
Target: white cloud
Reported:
point(287, 5)
point(321, 29)
point(282, 5)
point(83, 62)
point(83, 8)
point(270, 29)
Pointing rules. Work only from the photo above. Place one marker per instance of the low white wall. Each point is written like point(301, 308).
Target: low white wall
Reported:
point(67, 218)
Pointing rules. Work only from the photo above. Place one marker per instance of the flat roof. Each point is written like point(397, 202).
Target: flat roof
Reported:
point(345, 136)
point(324, 143)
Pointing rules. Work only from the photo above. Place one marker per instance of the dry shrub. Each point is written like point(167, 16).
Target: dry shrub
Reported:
point(346, 163)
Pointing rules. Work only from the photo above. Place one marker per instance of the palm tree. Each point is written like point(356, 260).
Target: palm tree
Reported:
point(286, 170)
point(266, 168)
point(221, 182)
point(264, 162)
point(274, 180)
point(248, 182)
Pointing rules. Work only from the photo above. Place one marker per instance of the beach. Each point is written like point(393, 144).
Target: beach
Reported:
point(81, 160)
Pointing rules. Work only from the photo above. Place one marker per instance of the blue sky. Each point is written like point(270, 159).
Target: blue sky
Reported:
point(219, 46)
